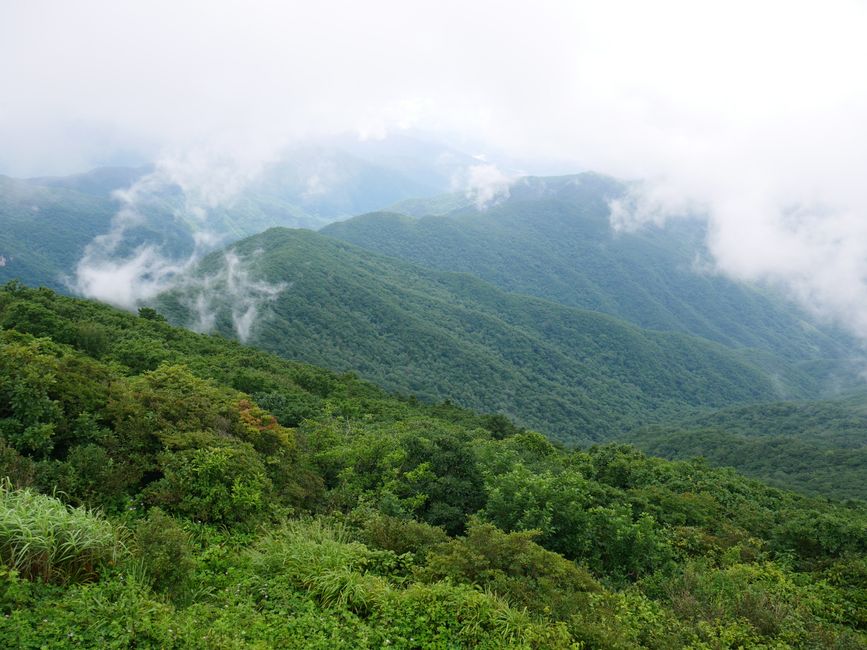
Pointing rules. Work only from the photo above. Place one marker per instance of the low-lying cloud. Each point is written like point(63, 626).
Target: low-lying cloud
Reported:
point(233, 289)
point(483, 184)
point(181, 191)
point(123, 277)
point(750, 115)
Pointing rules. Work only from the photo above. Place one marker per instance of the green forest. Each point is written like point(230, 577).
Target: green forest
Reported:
point(814, 447)
point(171, 489)
point(553, 238)
point(575, 374)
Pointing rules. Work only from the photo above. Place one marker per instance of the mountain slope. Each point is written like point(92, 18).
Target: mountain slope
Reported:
point(160, 488)
point(552, 238)
point(814, 447)
point(46, 222)
point(44, 231)
point(101, 181)
point(576, 374)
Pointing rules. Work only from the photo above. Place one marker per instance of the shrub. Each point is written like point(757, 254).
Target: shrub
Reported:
point(88, 476)
point(401, 535)
point(513, 566)
point(290, 409)
point(14, 592)
point(13, 466)
point(164, 548)
point(28, 414)
point(224, 485)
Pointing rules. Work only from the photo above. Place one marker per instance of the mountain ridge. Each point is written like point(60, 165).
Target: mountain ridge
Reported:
point(552, 238)
point(421, 331)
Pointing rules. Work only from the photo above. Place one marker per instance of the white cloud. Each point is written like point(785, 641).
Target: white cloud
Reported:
point(124, 278)
point(750, 113)
point(230, 287)
point(484, 184)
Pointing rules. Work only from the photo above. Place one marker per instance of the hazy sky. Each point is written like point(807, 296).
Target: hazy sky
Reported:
point(754, 113)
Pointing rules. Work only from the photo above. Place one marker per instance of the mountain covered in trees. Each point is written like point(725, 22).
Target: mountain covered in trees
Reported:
point(552, 237)
point(575, 374)
point(163, 488)
point(47, 222)
point(171, 489)
point(816, 447)
point(570, 373)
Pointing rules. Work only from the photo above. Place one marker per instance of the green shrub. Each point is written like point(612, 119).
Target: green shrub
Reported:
point(18, 469)
point(28, 414)
point(14, 592)
point(514, 567)
point(401, 535)
point(164, 548)
point(290, 409)
point(223, 485)
point(88, 476)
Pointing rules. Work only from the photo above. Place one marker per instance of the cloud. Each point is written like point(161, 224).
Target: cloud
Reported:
point(129, 281)
point(230, 288)
point(750, 115)
point(112, 273)
point(124, 279)
point(182, 190)
point(484, 184)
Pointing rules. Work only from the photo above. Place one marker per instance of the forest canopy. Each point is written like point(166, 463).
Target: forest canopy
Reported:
point(170, 489)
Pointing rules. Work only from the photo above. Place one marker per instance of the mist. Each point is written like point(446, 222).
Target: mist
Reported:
point(230, 288)
point(749, 116)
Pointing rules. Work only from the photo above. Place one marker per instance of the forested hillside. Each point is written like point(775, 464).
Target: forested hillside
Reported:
point(815, 447)
point(575, 374)
point(46, 222)
point(245, 500)
point(43, 231)
point(552, 238)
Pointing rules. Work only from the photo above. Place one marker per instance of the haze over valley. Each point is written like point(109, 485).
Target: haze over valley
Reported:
point(433, 325)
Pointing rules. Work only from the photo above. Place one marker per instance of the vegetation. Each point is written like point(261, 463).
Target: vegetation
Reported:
point(552, 238)
point(814, 447)
point(42, 538)
point(46, 223)
point(574, 374)
point(348, 517)
point(37, 243)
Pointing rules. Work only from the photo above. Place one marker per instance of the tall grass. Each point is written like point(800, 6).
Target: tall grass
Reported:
point(40, 537)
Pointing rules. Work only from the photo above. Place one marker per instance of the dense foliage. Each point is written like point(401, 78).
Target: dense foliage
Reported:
point(575, 374)
point(814, 447)
point(552, 238)
point(37, 242)
point(251, 501)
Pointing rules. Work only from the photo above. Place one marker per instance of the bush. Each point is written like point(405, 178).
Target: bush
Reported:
point(14, 467)
point(88, 476)
point(223, 485)
point(514, 567)
point(164, 548)
point(290, 409)
point(401, 535)
point(14, 592)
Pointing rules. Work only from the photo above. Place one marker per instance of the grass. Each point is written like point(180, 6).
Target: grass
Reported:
point(42, 538)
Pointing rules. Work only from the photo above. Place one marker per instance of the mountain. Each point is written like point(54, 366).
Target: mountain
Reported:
point(165, 489)
point(813, 447)
point(44, 231)
point(573, 373)
point(551, 238)
point(46, 222)
point(101, 181)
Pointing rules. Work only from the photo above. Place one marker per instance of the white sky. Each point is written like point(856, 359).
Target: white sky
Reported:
point(755, 112)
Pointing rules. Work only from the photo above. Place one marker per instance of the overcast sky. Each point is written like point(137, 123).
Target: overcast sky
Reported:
point(754, 113)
